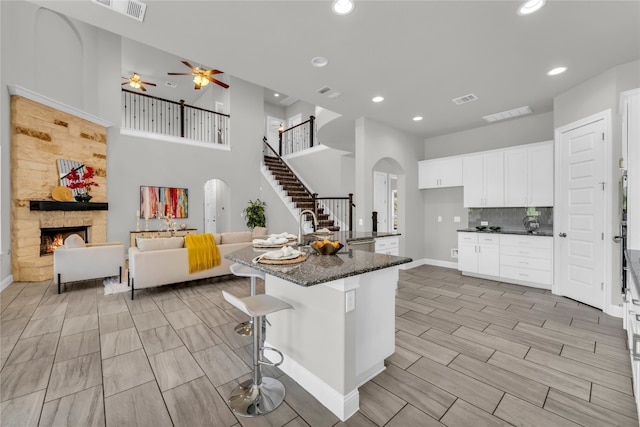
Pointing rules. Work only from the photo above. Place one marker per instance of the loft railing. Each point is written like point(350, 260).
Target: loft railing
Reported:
point(297, 138)
point(339, 209)
point(148, 113)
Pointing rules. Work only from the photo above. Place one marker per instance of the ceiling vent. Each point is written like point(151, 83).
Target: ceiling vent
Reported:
point(171, 85)
point(323, 90)
point(131, 8)
point(464, 99)
point(508, 114)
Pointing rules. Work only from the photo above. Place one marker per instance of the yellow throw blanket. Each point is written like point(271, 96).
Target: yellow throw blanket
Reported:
point(202, 251)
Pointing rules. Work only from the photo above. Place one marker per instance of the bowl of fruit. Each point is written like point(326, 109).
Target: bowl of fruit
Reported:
point(326, 246)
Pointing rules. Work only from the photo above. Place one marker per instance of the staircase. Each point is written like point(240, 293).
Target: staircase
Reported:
point(300, 196)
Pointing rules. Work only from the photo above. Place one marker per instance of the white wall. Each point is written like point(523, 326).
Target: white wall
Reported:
point(375, 141)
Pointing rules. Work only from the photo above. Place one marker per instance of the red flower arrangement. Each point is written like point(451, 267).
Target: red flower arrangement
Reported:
point(82, 183)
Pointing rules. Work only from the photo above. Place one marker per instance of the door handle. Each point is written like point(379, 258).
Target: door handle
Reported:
point(562, 234)
point(617, 239)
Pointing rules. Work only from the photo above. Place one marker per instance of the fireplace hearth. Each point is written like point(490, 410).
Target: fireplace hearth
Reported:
point(51, 238)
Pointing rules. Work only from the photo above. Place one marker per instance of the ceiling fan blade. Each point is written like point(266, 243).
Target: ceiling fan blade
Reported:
point(148, 83)
point(142, 88)
point(180, 74)
point(197, 86)
point(211, 79)
point(209, 72)
point(125, 83)
point(189, 65)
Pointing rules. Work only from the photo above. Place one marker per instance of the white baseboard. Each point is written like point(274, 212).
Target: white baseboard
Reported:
point(6, 282)
point(614, 310)
point(343, 406)
point(439, 263)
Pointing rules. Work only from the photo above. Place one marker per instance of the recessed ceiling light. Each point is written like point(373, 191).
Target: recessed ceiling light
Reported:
point(556, 71)
point(342, 7)
point(530, 6)
point(377, 99)
point(319, 61)
point(276, 95)
point(417, 118)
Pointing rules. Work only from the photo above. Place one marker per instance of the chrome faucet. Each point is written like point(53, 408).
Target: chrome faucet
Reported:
point(315, 222)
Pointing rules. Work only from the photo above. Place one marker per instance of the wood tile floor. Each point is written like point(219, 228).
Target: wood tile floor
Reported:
point(469, 352)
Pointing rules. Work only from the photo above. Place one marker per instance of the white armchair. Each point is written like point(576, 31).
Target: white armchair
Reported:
point(76, 261)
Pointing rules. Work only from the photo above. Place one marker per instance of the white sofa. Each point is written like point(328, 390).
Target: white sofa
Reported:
point(163, 261)
point(75, 260)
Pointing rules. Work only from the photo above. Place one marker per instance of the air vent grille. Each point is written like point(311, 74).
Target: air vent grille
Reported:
point(508, 114)
point(464, 99)
point(131, 8)
point(323, 90)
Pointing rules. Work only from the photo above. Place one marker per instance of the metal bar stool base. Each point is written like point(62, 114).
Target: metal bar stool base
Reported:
point(249, 400)
point(244, 329)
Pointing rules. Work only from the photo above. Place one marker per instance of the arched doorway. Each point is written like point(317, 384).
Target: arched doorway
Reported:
point(217, 197)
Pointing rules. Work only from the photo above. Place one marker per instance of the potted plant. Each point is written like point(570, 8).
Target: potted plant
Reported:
point(82, 183)
point(254, 214)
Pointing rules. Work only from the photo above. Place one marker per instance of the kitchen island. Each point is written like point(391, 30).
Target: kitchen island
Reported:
point(342, 325)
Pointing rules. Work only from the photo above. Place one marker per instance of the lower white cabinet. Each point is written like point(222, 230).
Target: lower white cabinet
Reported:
point(509, 258)
point(479, 253)
point(387, 245)
point(631, 322)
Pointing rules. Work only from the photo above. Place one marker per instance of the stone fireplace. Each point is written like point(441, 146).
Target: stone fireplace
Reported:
point(41, 133)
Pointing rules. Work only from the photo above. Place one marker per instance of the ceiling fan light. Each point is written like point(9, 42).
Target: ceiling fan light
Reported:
point(342, 7)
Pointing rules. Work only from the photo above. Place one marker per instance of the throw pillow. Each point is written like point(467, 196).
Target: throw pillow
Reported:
point(74, 241)
point(217, 238)
point(236, 237)
point(159, 243)
point(259, 232)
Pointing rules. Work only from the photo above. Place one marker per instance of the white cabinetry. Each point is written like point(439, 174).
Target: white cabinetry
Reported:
point(630, 107)
point(483, 180)
point(631, 322)
point(387, 245)
point(479, 253)
point(509, 258)
point(440, 173)
point(528, 175)
point(527, 258)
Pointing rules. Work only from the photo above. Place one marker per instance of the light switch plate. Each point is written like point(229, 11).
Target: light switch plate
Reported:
point(456, 219)
point(439, 218)
point(485, 223)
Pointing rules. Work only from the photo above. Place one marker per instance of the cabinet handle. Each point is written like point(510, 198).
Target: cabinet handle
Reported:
point(636, 343)
point(635, 302)
point(523, 275)
point(523, 262)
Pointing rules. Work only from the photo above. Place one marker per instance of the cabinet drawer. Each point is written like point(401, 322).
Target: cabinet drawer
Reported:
point(386, 243)
point(468, 237)
point(488, 239)
point(544, 253)
point(526, 274)
point(527, 241)
point(524, 262)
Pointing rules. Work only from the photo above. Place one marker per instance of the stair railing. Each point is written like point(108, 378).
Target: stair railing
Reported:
point(296, 138)
point(148, 113)
point(340, 209)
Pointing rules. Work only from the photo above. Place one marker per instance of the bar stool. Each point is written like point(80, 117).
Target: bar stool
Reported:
point(260, 395)
point(246, 328)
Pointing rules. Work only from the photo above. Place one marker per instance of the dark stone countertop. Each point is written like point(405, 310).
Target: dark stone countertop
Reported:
point(320, 268)
point(544, 233)
point(633, 264)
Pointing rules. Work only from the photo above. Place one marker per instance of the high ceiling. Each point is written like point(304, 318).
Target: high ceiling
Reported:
point(418, 55)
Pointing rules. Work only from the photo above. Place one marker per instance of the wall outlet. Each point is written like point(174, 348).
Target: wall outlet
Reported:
point(485, 223)
point(360, 221)
point(350, 301)
point(439, 218)
point(454, 253)
point(456, 219)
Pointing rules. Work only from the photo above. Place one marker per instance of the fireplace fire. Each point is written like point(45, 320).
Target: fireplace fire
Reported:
point(51, 238)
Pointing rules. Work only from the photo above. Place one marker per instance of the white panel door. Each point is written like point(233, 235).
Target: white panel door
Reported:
point(581, 225)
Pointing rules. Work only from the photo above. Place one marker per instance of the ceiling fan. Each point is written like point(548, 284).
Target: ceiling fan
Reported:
point(202, 76)
point(135, 82)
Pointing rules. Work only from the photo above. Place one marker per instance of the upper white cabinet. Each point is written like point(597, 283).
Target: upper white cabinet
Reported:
point(440, 173)
point(483, 179)
point(528, 175)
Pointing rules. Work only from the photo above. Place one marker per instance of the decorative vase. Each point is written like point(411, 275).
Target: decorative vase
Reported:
point(83, 197)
